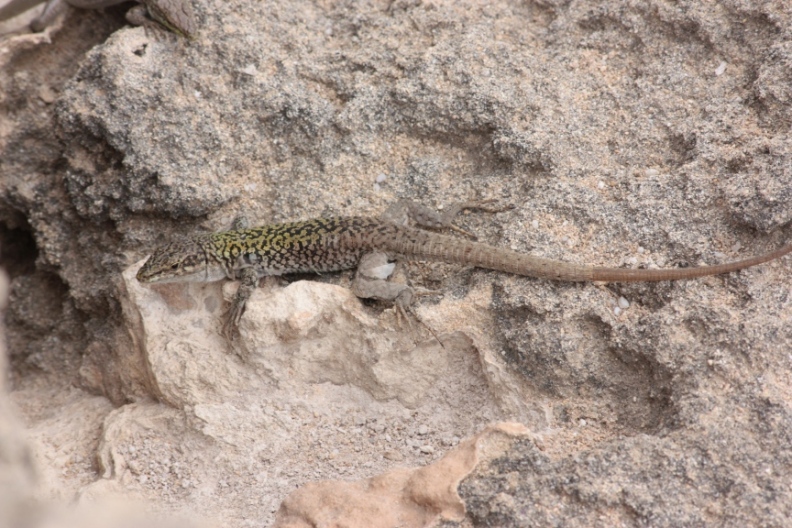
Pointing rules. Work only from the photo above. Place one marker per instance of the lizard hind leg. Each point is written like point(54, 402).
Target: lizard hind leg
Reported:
point(52, 10)
point(138, 16)
point(162, 19)
point(428, 218)
point(371, 283)
point(371, 280)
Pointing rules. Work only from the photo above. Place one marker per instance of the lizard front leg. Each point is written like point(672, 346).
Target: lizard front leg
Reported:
point(249, 282)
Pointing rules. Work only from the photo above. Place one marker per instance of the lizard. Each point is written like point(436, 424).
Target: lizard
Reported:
point(370, 244)
point(173, 15)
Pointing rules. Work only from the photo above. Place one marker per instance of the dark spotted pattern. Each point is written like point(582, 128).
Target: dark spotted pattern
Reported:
point(319, 245)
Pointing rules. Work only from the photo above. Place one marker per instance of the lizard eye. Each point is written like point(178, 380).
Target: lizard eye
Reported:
point(174, 267)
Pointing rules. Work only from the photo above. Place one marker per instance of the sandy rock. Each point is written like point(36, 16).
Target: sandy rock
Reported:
point(410, 498)
point(174, 329)
point(309, 357)
point(17, 477)
point(304, 333)
point(636, 134)
point(316, 333)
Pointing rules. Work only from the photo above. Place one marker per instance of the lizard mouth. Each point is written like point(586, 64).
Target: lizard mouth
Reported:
point(142, 274)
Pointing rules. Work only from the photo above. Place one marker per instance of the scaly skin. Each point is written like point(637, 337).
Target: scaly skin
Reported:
point(318, 245)
point(323, 245)
point(172, 15)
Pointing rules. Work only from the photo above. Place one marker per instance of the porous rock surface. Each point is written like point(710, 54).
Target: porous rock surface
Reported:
point(625, 133)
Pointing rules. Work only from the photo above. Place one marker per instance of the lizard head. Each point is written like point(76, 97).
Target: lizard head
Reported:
point(180, 261)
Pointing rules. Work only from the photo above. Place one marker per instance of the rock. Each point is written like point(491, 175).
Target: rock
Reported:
point(17, 476)
point(613, 129)
point(410, 498)
point(317, 333)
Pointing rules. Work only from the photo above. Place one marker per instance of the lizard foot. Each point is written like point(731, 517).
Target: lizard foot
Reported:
point(428, 218)
point(231, 320)
point(248, 283)
point(164, 17)
point(447, 217)
point(405, 312)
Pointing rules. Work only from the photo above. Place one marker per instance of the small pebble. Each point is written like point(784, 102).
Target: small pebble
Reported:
point(381, 177)
point(582, 422)
point(600, 185)
point(392, 455)
point(623, 303)
point(535, 224)
point(427, 449)
point(652, 172)
point(47, 94)
point(720, 69)
point(422, 430)
point(378, 428)
point(617, 310)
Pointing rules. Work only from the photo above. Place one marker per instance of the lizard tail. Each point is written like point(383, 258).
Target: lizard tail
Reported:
point(420, 244)
point(654, 275)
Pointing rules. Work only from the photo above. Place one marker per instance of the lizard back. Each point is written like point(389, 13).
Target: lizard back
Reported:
point(318, 245)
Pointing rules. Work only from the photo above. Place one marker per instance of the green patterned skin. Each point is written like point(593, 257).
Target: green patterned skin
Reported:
point(318, 245)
